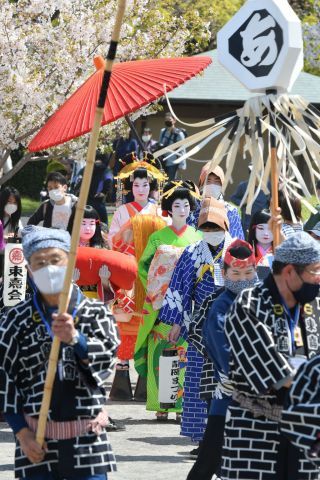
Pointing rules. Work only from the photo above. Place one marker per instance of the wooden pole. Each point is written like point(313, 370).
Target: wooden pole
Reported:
point(65, 294)
point(274, 177)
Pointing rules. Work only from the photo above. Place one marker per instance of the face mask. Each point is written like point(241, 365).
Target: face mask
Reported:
point(10, 208)
point(307, 293)
point(49, 280)
point(56, 195)
point(239, 285)
point(213, 238)
point(212, 191)
point(146, 138)
point(168, 123)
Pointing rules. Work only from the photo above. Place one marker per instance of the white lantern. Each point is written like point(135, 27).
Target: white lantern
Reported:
point(262, 45)
point(168, 378)
point(15, 275)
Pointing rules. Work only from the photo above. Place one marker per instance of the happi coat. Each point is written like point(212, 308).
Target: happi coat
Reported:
point(78, 391)
point(263, 341)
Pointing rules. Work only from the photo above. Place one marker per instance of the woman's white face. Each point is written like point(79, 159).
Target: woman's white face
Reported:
point(88, 228)
point(263, 233)
point(140, 189)
point(180, 209)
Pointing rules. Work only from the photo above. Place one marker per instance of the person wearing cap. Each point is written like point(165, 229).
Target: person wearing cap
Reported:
point(239, 272)
point(210, 185)
point(196, 275)
point(315, 231)
point(76, 443)
point(272, 329)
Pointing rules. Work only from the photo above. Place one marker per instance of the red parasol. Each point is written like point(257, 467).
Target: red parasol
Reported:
point(132, 86)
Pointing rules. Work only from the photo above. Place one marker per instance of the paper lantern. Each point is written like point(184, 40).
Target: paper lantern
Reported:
point(168, 378)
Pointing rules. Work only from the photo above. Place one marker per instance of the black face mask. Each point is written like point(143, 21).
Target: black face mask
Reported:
point(307, 293)
point(168, 123)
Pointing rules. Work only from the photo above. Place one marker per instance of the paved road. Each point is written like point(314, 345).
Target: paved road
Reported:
point(146, 450)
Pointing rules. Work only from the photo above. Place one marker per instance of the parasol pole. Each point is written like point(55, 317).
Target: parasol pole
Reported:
point(274, 175)
point(65, 294)
point(134, 131)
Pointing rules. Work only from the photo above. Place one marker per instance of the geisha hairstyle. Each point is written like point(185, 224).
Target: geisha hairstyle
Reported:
point(96, 241)
point(141, 172)
point(257, 218)
point(180, 190)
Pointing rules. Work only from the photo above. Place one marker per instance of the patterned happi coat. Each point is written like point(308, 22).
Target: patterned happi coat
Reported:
point(196, 276)
point(258, 330)
point(78, 391)
point(301, 418)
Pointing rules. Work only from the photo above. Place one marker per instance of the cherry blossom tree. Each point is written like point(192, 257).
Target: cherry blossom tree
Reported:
point(47, 49)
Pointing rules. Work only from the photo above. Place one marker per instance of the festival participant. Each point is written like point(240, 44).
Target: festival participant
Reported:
point(196, 275)
point(271, 330)
point(59, 210)
point(210, 185)
point(76, 443)
point(261, 238)
point(139, 177)
point(130, 229)
point(239, 273)
point(177, 201)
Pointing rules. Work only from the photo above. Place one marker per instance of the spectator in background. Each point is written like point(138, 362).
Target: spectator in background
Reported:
point(101, 184)
point(261, 203)
point(314, 217)
point(10, 211)
point(59, 210)
point(121, 147)
point(149, 145)
point(291, 216)
point(168, 136)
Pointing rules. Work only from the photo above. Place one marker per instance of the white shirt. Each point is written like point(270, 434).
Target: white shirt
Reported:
point(61, 214)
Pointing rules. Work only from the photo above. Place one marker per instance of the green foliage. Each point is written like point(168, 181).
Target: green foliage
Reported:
point(29, 206)
point(30, 179)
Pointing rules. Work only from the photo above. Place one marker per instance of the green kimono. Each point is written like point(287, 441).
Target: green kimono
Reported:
point(152, 337)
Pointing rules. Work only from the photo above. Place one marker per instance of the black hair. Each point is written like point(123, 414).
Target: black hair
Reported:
point(4, 197)
point(295, 205)
point(182, 192)
point(97, 240)
point(141, 172)
point(209, 225)
point(277, 267)
point(239, 251)
point(257, 218)
point(56, 177)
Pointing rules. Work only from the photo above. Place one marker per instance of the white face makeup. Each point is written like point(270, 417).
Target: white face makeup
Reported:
point(140, 189)
point(264, 234)
point(180, 210)
point(88, 228)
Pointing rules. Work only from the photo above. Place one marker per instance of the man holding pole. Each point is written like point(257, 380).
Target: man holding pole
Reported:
point(76, 444)
point(272, 329)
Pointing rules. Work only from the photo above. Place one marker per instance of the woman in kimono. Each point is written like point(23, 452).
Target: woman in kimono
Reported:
point(177, 201)
point(210, 184)
point(130, 229)
point(261, 238)
point(138, 177)
point(196, 276)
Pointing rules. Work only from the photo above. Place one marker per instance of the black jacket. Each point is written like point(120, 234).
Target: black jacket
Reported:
point(44, 213)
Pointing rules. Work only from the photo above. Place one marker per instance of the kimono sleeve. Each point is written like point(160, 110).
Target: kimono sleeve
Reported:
point(116, 224)
point(10, 396)
point(177, 304)
point(301, 418)
point(146, 259)
point(252, 345)
point(199, 316)
point(235, 229)
point(102, 341)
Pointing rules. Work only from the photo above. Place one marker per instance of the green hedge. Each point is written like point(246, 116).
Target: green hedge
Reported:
point(30, 178)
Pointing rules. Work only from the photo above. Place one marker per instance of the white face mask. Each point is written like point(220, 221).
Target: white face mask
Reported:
point(213, 238)
point(49, 279)
point(212, 190)
point(146, 138)
point(56, 195)
point(10, 208)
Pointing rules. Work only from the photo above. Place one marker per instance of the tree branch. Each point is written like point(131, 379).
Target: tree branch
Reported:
point(16, 168)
